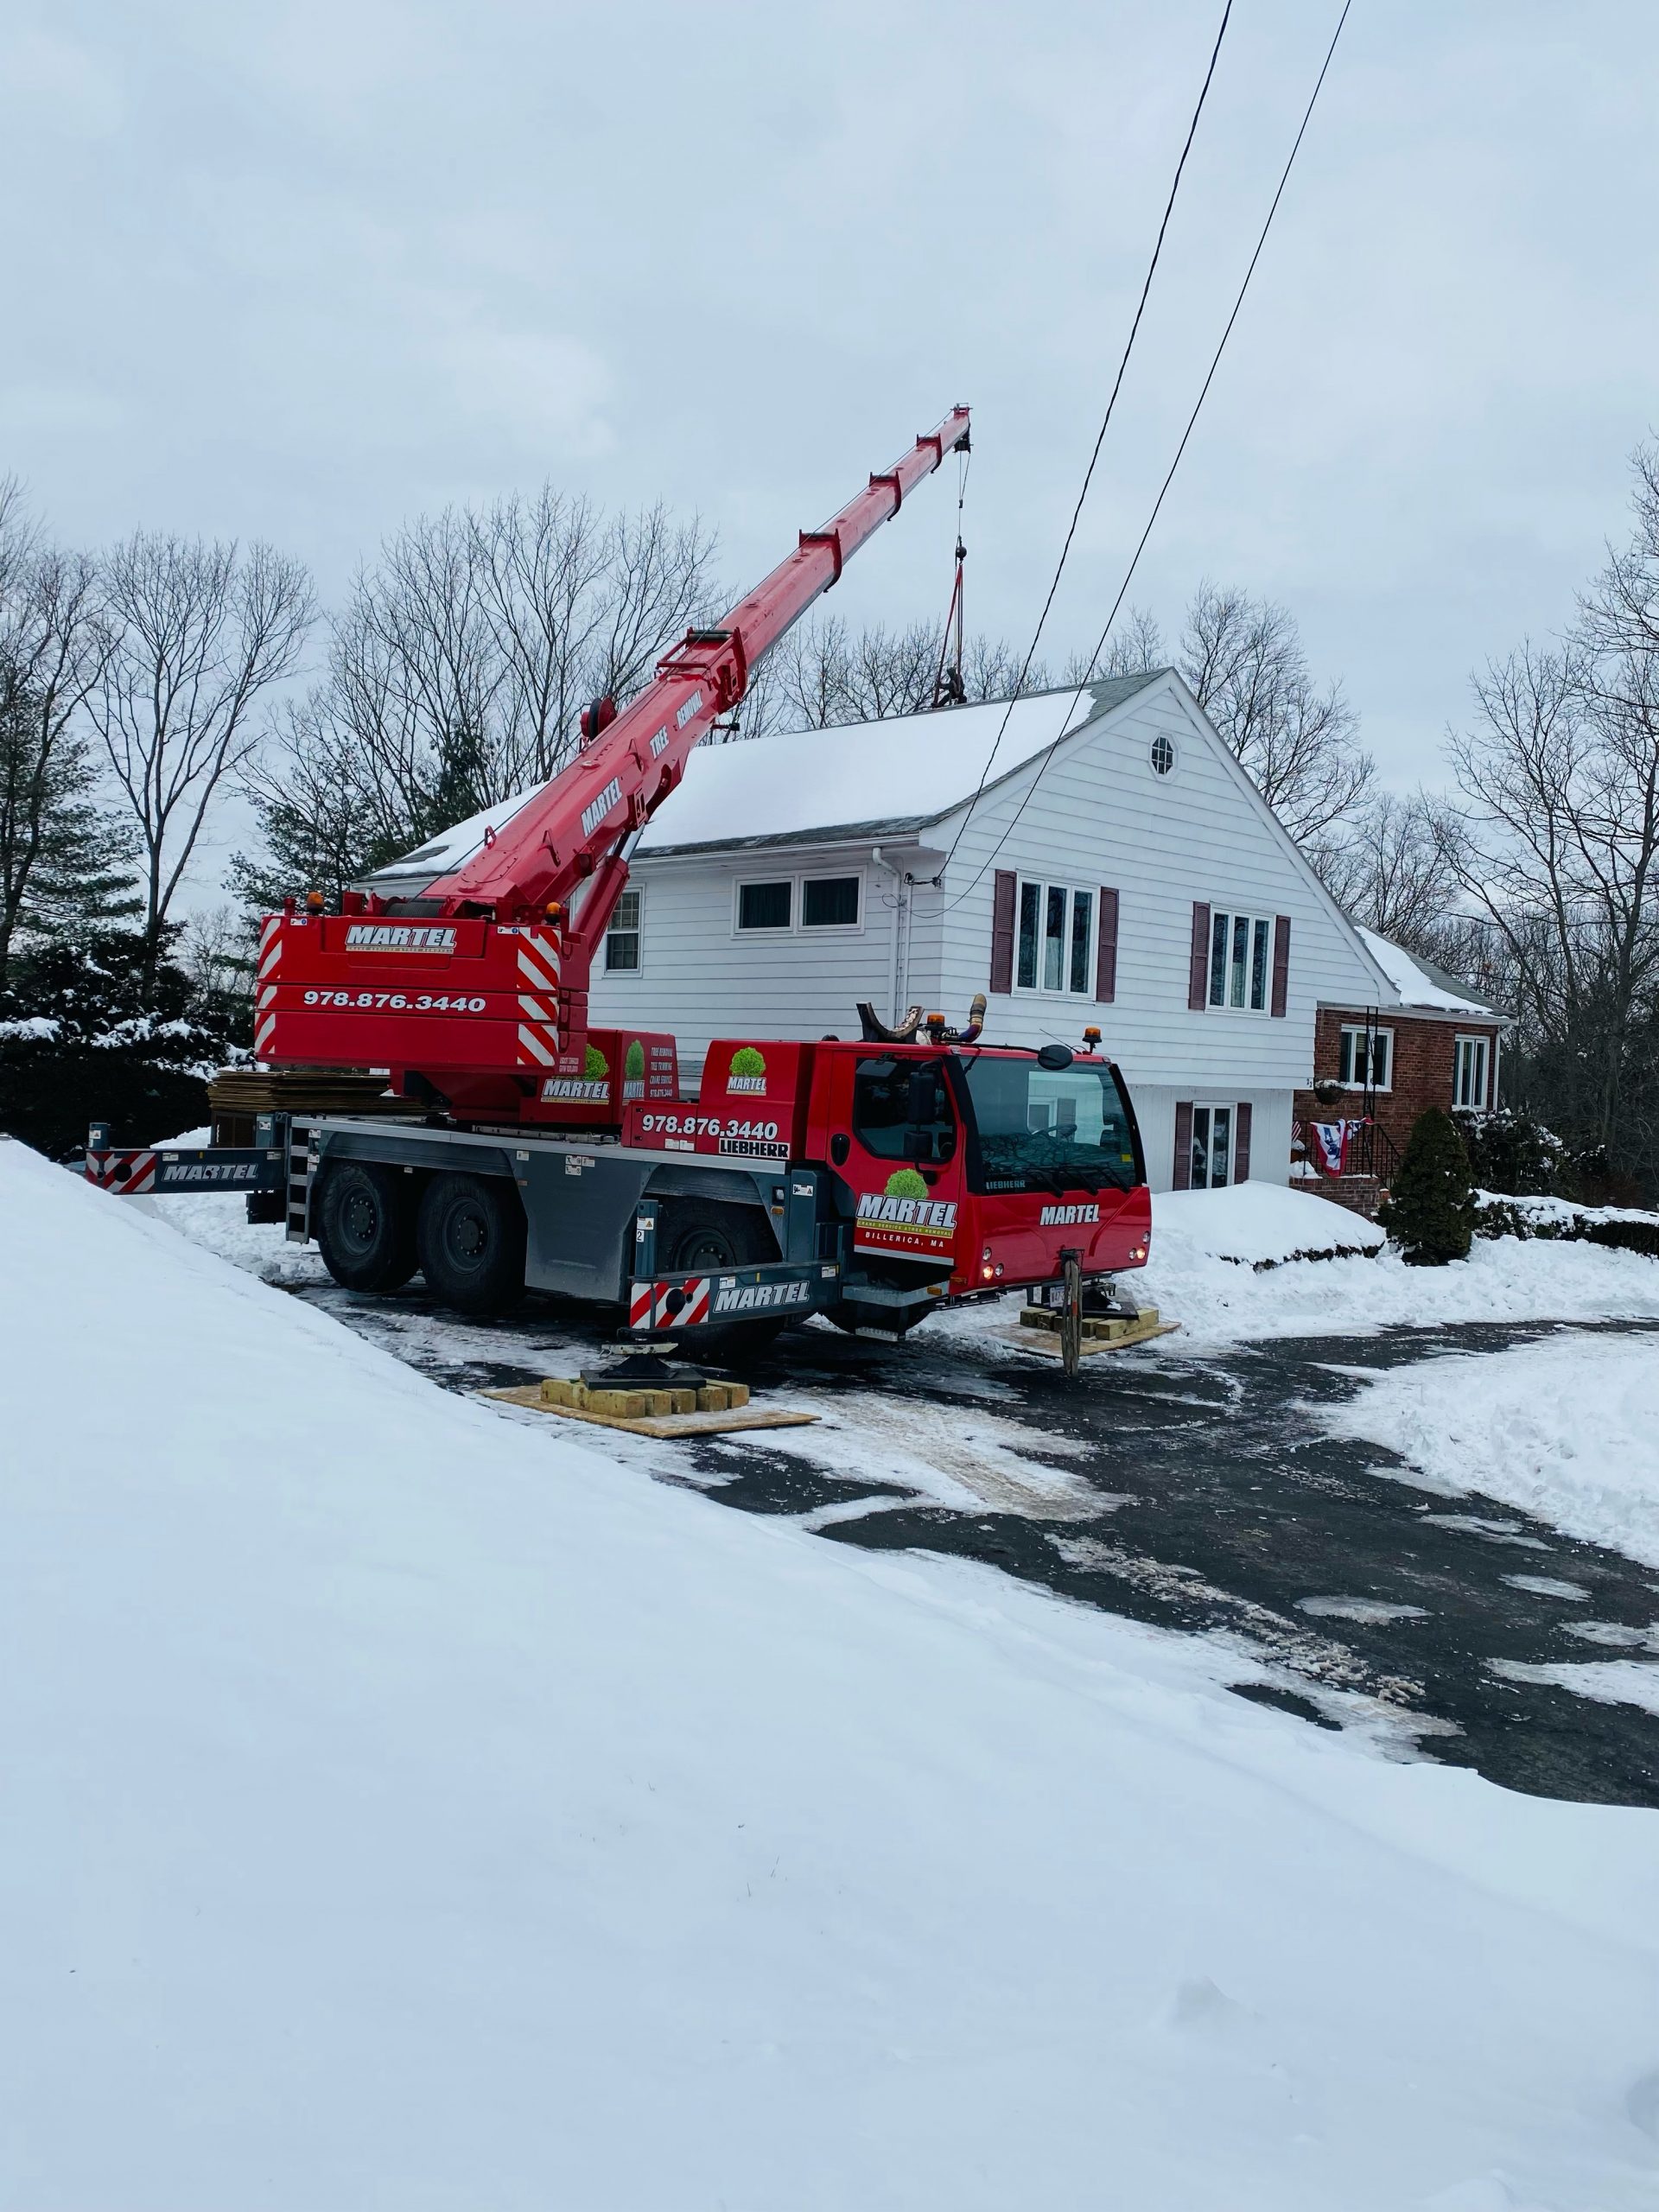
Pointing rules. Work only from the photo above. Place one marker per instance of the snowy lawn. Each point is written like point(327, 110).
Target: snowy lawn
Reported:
point(410, 1807)
point(1567, 1430)
point(1200, 1237)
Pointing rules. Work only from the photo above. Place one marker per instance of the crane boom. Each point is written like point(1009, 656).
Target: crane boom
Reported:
point(577, 823)
point(474, 993)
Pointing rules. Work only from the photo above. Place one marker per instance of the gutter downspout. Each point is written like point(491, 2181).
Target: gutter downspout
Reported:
point(900, 915)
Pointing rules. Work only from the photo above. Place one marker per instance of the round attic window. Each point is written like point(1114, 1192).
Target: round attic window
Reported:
point(1162, 756)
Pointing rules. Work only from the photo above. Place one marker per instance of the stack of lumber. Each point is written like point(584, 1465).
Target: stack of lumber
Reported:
point(235, 1096)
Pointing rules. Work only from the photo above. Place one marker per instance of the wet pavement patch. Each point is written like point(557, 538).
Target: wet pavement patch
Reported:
point(1201, 1495)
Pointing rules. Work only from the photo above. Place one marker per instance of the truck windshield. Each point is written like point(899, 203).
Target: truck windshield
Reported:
point(1055, 1129)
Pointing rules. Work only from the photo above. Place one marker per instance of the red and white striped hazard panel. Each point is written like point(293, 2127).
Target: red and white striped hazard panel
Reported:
point(680, 1304)
point(270, 953)
point(539, 998)
point(129, 1174)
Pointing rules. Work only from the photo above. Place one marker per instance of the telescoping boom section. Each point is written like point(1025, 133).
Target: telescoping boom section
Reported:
point(475, 994)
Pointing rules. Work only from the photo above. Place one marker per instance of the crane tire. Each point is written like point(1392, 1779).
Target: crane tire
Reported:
point(699, 1236)
point(365, 1216)
point(470, 1234)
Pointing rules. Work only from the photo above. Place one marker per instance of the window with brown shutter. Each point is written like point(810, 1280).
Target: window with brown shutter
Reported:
point(1198, 976)
point(1003, 931)
point(1280, 964)
point(1106, 949)
point(1242, 1142)
point(1181, 1179)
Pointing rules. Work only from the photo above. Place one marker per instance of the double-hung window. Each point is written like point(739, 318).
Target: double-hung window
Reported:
point(1241, 961)
point(622, 936)
point(1055, 941)
point(1470, 1060)
point(1351, 1059)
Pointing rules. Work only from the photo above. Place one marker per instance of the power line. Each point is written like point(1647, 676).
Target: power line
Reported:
point(1117, 384)
point(1129, 574)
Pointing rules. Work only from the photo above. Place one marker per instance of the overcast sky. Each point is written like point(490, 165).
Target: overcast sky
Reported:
point(300, 271)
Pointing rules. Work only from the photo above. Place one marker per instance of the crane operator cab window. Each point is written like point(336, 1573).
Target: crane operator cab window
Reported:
point(901, 1112)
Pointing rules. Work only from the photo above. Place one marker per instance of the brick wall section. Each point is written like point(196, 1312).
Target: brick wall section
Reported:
point(1422, 1067)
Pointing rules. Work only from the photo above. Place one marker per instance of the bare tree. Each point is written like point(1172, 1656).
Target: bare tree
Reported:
point(1135, 648)
point(1556, 844)
point(1389, 868)
point(1244, 660)
point(823, 675)
point(53, 845)
point(459, 668)
point(197, 634)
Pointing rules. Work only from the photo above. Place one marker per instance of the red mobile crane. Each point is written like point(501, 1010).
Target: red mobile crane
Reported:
point(873, 1180)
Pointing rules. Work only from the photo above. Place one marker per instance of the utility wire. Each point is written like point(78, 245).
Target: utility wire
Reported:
point(1129, 575)
point(1117, 384)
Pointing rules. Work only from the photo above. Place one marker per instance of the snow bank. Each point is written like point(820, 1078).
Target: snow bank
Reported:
point(407, 1806)
point(1199, 1239)
point(1260, 1225)
point(1564, 1213)
point(1567, 1430)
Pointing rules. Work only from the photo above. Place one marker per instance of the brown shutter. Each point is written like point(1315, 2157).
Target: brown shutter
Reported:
point(1242, 1142)
point(1198, 973)
point(1182, 1179)
point(1281, 963)
point(1003, 931)
point(1106, 949)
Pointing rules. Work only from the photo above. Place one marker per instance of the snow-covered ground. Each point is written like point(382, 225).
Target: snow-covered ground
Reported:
point(409, 1805)
point(1198, 1239)
point(1566, 1428)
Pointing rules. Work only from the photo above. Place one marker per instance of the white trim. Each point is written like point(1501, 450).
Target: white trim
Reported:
point(635, 891)
point(1483, 1046)
point(1091, 950)
point(1212, 1106)
point(1365, 1029)
point(1234, 915)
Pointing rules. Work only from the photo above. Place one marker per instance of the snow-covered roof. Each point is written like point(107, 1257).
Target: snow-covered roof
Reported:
point(1419, 983)
point(875, 778)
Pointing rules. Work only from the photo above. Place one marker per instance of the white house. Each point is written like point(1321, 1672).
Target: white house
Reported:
point(1100, 860)
point(1117, 868)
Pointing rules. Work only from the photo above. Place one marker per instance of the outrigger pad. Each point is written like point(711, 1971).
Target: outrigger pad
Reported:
point(644, 1371)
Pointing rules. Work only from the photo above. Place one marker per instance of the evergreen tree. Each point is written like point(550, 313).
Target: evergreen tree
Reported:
point(65, 863)
point(1431, 1208)
point(78, 1042)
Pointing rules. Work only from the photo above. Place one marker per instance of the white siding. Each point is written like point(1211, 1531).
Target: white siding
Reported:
point(1096, 816)
point(699, 977)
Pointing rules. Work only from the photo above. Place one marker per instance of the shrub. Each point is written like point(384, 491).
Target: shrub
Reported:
point(1431, 1208)
point(1511, 1153)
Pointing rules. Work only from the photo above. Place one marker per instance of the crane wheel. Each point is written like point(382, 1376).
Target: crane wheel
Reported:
point(364, 1217)
point(697, 1236)
point(470, 1234)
